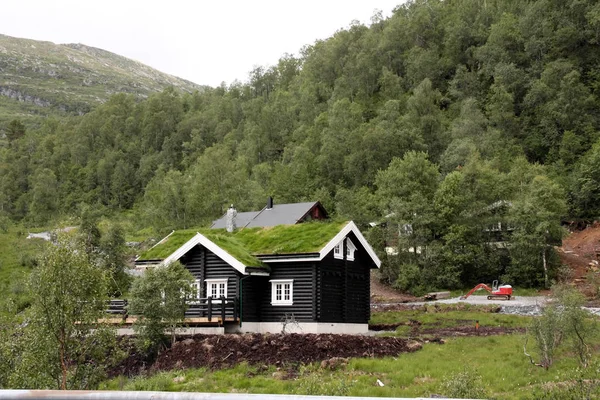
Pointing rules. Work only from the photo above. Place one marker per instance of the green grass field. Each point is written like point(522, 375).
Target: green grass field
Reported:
point(505, 373)
point(432, 317)
point(494, 364)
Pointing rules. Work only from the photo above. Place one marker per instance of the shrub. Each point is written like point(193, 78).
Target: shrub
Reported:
point(409, 279)
point(27, 260)
point(562, 321)
point(580, 383)
point(159, 298)
point(593, 280)
point(466, 384)
point(548, 332)
point(316, 385)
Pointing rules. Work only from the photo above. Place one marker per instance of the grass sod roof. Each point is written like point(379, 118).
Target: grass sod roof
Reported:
point(308, 237)
point(244, 244)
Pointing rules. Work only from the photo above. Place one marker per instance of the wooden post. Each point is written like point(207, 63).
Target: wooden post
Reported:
point(223, 305)
point(235, 309)
point(209, 308)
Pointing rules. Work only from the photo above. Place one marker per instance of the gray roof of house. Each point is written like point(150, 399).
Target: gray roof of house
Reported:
point(241, 220)
point(280, 214)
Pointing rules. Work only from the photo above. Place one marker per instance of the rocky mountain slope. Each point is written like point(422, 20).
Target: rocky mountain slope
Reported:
point(40, 78)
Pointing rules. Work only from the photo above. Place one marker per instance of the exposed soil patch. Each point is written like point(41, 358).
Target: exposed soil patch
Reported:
point(584, 243)
point(135, 363)
point(382, 293)
point(581, 252)
point(222, 351)
point(392, 327)
point(466, 331)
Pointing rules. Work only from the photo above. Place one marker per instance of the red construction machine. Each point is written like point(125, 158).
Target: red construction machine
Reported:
point(502, 292)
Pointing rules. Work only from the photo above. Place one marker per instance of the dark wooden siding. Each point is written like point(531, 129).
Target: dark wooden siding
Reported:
point(359, 284)
point(253, 289)
point(204, 264)
point(330, 293)
point(194, 262)
point(343, 287)
point(219, 269)
point(304, 275)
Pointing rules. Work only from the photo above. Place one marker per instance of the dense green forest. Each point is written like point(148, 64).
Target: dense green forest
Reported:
point(439, 122)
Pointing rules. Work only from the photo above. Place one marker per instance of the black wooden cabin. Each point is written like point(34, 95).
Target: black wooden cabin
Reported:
point(324, 287)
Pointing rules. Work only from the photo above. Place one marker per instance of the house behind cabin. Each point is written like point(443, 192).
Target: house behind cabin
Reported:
point(275, 214)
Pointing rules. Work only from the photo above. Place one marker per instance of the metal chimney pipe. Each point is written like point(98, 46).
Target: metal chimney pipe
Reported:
point(269, 203)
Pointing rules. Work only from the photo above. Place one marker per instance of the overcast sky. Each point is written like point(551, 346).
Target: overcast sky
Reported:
point(207, 42)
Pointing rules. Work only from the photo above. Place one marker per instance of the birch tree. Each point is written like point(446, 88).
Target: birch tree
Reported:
point(536, 215)
point(64, 345)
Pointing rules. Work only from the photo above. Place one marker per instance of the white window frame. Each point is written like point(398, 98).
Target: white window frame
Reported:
point(282, 283)
point(338, 251)
point(350, 249)
point(216, 282)
point(196, 290)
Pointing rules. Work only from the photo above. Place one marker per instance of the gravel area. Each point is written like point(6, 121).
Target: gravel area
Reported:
point(517, 301)
point(518, 305)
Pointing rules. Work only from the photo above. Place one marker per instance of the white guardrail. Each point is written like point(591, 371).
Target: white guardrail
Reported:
point(115, 395)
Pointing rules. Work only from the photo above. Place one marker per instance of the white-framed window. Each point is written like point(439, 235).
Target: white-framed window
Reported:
point(338, 250)
point(216, 288)
point(282, 292)
point(350, 249)
point(196, 285)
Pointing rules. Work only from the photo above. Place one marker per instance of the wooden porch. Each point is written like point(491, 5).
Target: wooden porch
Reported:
point(201, 312)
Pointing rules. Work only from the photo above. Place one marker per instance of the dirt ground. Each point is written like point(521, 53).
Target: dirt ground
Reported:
point(580, 250)
point(219, 351)
point(381, 293)
point(465, 331)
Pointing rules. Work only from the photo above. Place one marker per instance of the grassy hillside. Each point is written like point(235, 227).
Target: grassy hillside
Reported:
point(41, 77)
point(17, 257)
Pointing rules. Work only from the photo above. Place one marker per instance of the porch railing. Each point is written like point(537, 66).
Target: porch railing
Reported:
point(224, 307)
point(208, 307)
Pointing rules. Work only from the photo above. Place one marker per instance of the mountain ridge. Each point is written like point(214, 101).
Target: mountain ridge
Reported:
point(41, 78)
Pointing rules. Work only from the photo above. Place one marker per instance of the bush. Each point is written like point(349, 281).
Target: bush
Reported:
point(593, 280)
point(317, 385)
point(4, 223)
point(464, 385)
point(27, 260)
point(562, 321)
point(548, 333)
point(159, 298)
point(409, 279)
point(577, 327)
point(581, 383)
point(564, 274)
